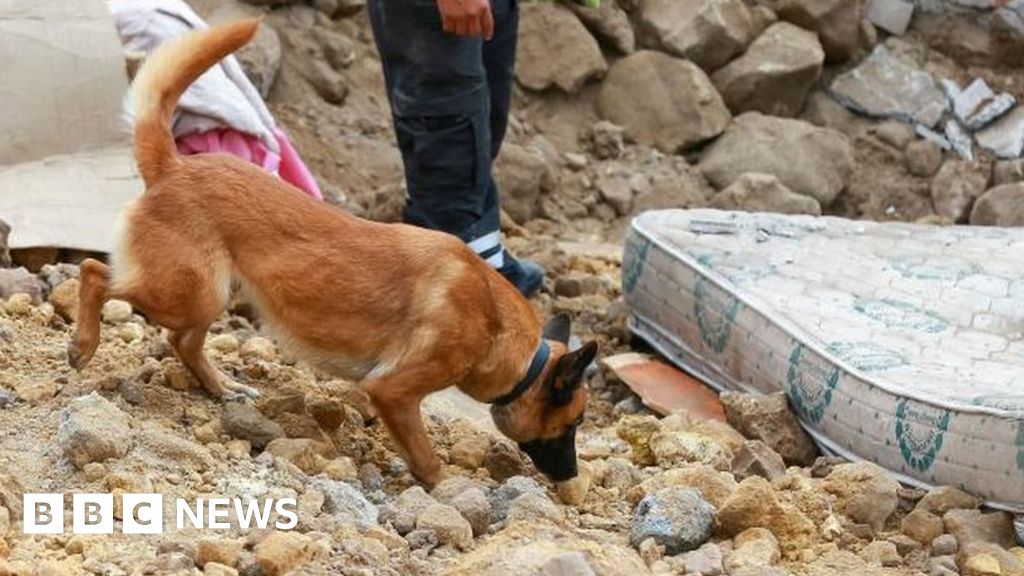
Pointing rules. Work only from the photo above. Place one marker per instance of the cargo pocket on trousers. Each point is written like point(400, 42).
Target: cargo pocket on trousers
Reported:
point(448, 153)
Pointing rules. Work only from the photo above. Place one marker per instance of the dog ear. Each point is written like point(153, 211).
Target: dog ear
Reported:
point(568, 373)
point(559, 328)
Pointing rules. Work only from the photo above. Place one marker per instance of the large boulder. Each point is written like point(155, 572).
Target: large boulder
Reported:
point(609, 23)
point(808, 160)
point(837, 23)
point(555, 49)
point(764, 193)
point(707, 32)
point(775, 74)
point(1000, 206)
point(662, 101)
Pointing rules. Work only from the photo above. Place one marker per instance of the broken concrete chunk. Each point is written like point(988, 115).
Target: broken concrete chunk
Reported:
point(977, 105)
point(1004, 138)
point(959, 139)
point(888, 85)
point(893, 16)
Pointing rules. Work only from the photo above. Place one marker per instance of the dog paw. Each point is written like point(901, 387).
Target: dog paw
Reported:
point(76, 359)
point(240, 393)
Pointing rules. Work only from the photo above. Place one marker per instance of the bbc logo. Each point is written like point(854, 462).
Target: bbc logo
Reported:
point(93, 514)
point(144, 513)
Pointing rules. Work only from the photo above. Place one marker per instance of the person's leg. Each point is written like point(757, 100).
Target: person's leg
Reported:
point(499, 62)
point(440, 100)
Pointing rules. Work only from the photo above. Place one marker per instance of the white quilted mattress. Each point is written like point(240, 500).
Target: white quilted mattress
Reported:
point(900, 344)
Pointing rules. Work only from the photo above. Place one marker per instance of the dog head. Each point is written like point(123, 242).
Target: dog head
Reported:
point(543, 421)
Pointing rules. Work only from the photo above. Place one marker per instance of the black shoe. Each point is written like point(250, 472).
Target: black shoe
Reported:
point(525, 275)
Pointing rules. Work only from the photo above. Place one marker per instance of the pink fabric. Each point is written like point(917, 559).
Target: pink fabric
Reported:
point(288, 165)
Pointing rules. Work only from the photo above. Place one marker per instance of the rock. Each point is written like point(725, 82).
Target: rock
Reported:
point(662, 101)
point(219, 550)
point(302, 452)
point(706, 560)
point(606, 140)
point(328, 413)
point(754, 504)
point(708, 33)
point(942, 499)
point(422, 539)
point(609, 23)
point(569, 563)
point(555, 49)
point(715, 486)
point(242, 420)
point(469, 452)
point(282, 552)
point(944, 545)
point(890, 85)
point(259, 348)
point(345, 503)
point(223, 343)
point(35, 391)
point(754, 192)
point(1000, 206)
point(970, 526)
point(982, 564)
point(637, 431)
point(987, 558)
point(342, 469)
point(502, 497)
point(676, 518)
point(674, 447)
point(865, 492)
point(943, 566)
point(574, 492)
point(922, 525)
point(923, 158)
point(351, 394)
point(1005, 137)
point(92, 429)
point(19, 304)
point(65, 299)
point(261, 59)
point(837, 23)
point(956, 186)
point(5, 521)
point(755, 458)
point(812, 161)
point(959, 139)
point(474, 506)
point(767, 418)
point(534, 507)
point(893, 16)
point(170, 448)
point(116, 311)
point(753, 548)
point(1008, 172)
point(20, 281)
point(775, 74)
point(215, 569)
point(617, 193)
point(503, 461)
point(881, 553)
point(451, 528)
point(403, 512)
point(522, 174)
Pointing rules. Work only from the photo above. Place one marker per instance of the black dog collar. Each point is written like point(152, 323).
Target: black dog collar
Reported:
point(540, 358)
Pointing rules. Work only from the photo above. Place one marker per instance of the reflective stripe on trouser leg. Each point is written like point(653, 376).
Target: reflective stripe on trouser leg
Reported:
point(489, 248)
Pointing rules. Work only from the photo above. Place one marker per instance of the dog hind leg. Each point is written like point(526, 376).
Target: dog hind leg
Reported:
point(188, 344)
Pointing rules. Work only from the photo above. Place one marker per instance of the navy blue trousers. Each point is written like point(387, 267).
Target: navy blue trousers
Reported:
point(450, 99)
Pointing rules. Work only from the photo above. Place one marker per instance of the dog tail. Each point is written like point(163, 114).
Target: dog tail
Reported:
point(161, 81)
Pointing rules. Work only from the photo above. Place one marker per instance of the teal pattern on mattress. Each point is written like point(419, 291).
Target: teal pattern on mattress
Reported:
point(902, 344)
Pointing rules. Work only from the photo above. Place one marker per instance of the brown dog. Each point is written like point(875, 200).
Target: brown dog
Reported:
point(406, 311)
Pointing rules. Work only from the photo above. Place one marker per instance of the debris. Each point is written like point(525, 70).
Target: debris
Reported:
point(775, 74)
point(769, 419)
point(890, 85)
point(837, 23)
point(708, 33)
point(764, 193)
point(93, 429)
point(977, 105)
point(1004, 137)
point(893, 16)
point(1000, 206)
point(681, 106)
point(555, 49)
point(665, 389)
point(676, 518)
point(956, 186)
point(960, 140)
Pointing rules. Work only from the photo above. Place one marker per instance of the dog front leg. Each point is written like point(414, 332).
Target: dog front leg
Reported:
point(92, 293)
point(401, 416)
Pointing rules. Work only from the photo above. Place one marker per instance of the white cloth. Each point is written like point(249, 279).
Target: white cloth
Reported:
point(223, 97)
